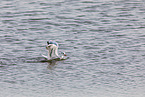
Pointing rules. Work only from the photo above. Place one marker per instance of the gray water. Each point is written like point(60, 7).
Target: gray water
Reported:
point(104, 40)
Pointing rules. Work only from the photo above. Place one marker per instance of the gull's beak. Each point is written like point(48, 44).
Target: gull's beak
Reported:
point(64, 54)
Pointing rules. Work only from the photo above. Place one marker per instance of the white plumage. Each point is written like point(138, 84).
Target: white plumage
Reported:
point(52, 48)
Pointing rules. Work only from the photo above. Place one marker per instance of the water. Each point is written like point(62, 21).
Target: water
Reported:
point(105, 40)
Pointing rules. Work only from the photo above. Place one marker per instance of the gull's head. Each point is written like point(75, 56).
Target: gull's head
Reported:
point(63, 53)
point(51, 44)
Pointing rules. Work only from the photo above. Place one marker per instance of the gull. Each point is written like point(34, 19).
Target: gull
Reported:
point(52, 48)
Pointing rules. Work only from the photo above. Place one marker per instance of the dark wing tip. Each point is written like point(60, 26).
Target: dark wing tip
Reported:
point(48, 42)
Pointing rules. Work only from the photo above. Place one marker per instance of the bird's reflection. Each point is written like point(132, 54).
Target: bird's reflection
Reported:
point(52, 64)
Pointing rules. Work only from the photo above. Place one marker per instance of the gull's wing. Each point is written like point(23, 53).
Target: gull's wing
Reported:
point(45, 56)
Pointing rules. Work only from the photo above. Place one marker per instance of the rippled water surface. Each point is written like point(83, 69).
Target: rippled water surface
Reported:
point(105, 40)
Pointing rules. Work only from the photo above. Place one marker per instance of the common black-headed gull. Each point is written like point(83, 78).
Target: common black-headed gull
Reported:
point(52, 48)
